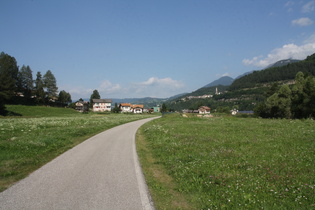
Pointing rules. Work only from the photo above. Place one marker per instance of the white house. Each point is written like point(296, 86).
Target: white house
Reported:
point(137, 108)
point(125, 107)
point(102, 105)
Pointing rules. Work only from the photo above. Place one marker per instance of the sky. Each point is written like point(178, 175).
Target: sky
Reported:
point(152, 48)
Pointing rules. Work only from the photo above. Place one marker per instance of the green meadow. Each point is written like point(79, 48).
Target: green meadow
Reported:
point(229, 162)
point(36, 135)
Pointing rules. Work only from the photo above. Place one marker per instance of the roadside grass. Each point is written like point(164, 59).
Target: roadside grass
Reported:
point(26, 142)
point(229, 162)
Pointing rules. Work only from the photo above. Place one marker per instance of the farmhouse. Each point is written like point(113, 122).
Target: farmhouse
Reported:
point(204, 110)
point(137, 108)
point(102, 105)
point(127, 107)
point(82, 106)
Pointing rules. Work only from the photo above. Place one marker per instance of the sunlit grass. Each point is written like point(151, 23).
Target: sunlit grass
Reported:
point(235, 163)
point(26, 143)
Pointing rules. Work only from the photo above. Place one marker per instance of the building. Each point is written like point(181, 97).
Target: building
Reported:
point(82, 106)
point(204, 110)
point(125, 107)
point(102, 105)
point(137, 108)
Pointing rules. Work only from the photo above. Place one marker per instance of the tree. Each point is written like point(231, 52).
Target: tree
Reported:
point(26, 83)
point(95, 95)
point(64, 97)
point(303, 96)
point(39, 88)
point(8, 79)
point(50, 84)
point(279, 104)
point(116, 109)
point(163, 108)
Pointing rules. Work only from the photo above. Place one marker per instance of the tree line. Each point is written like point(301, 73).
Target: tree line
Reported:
point(296, 101)
point(17, 86)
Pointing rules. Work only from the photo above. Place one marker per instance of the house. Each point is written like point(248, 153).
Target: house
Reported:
point(82, 106)
point(156, 109)
point(137, 108)
point(204, 110)
point(125, 107)
point(102, 105)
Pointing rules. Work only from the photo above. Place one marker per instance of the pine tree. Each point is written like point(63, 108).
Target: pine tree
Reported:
point(8, 79)
point(39, 88)
point(50, 84)
point(95, 95)
point(26, 83)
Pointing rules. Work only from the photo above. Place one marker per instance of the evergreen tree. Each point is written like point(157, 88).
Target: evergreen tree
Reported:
point(163, 108)
point(50, 84)
point(39, 88)
point(95, 95)
point(8, 79)
point(116, 109)
point(26, 83)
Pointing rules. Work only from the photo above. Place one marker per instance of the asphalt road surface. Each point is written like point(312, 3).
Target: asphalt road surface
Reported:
point(103, 172)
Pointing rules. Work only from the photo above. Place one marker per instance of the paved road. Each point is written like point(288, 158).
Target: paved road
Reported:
point(100, 173)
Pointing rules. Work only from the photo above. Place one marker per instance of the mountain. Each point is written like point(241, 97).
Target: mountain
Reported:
point(147, 101)
point(279, 71)
point(282, 63)
point(276, 64)
point(226, 80)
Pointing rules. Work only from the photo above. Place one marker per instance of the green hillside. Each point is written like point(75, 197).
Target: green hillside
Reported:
point(245, 92)
point(275, 74)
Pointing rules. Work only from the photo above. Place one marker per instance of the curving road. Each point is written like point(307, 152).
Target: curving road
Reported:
point(101, 173)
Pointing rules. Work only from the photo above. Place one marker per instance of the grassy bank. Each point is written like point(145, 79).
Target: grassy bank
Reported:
point(42, 133)
point(229, 163)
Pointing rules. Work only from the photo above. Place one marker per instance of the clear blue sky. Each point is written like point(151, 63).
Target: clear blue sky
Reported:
point(146, 48)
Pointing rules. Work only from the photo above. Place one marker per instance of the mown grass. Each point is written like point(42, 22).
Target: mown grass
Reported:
point(28, 142)
point(229, 162)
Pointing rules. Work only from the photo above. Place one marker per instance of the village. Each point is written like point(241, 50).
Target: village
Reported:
point(105, 105)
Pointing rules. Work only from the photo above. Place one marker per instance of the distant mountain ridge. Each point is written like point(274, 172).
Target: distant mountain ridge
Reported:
point(282, 63)
point(225, 80)
point(276, 64)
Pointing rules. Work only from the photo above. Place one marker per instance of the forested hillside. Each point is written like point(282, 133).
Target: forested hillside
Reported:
point(288, 72)
point(247, 91)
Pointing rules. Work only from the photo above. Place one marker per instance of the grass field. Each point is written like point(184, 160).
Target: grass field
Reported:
point(229, 162)
point(42, 133)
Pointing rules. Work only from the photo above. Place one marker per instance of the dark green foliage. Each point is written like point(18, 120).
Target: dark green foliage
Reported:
point(64, 97)
point(95, 95)
point(25, 81)
point(163, 108)
point(116, 109)
point(39, 88)
point(296, 102)
point(8, 79)
point(50, 84)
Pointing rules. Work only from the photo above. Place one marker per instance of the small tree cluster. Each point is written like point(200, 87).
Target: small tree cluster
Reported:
point(17, 85)
point(285, 102)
